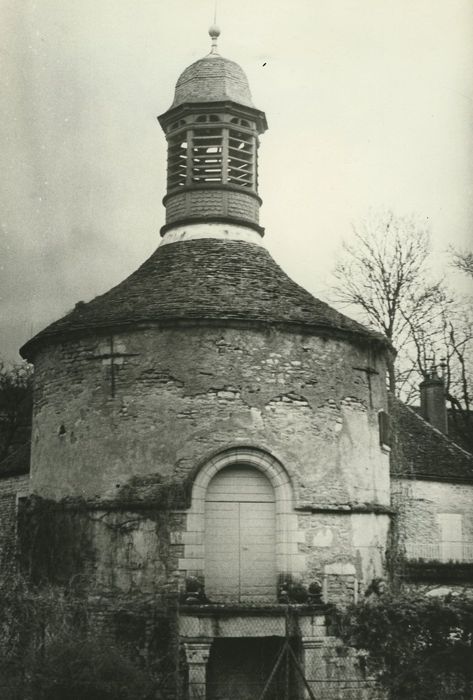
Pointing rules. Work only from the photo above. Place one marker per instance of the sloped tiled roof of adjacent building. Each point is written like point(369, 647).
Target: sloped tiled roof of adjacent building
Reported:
point(206, 279)
point(460, 426)
point(419, 451)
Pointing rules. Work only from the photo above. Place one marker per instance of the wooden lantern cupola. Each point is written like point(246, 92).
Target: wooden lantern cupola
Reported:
point(212, 130)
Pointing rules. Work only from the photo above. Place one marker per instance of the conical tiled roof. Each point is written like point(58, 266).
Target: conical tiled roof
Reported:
point(207, 280)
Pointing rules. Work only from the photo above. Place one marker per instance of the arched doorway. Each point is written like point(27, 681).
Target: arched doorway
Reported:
point(240, 536)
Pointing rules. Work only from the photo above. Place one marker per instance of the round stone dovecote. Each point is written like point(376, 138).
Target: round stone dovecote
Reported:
point(210, 358)
point(144, 412)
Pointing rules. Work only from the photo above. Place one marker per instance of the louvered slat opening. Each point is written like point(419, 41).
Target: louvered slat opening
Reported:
point(177, 162)
point(240, 158)
point(212, 154)
point(207, 155)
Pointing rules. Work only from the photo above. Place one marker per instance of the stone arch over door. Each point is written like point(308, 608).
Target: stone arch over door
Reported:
point(287, 559)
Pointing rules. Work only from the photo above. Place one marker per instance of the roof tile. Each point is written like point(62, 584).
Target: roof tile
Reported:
point(204, 279)
point(420, 451)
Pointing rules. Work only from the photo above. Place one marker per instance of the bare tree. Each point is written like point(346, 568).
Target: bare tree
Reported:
point(463, 260)
point(448, 345)
point(458, 344)
point(384, 275)
point(459, 380)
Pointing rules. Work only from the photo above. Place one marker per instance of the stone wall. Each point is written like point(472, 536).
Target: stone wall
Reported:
point(419, 503)
point(137, 428)
point(10, 488)
point(425, 562)
point(171, 398)
point(106, 552)
point(344, 551)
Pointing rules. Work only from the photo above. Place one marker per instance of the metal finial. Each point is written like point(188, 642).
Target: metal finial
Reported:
point(214, 33)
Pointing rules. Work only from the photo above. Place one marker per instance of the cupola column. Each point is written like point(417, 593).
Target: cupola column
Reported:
point(212, 131)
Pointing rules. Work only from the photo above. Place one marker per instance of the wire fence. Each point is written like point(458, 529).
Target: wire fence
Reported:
point(283, 655)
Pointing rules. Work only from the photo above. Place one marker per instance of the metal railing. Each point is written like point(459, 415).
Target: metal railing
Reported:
point(440, 551)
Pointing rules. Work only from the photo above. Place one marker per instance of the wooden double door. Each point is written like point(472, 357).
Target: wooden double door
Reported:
point(240, 537)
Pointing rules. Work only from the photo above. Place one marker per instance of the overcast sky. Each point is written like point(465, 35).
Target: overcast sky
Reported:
point(369, 105)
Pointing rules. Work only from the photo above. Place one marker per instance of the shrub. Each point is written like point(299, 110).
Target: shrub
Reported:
point(88, 669)
point(419, 648)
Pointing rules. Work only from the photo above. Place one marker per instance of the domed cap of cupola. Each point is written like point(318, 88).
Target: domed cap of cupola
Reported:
point(213, 79)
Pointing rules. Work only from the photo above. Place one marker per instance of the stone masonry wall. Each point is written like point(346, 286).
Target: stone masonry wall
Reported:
point(170, 398)
point(420, 502)
point(431, 566)
point(344, 552)
point(10, 488)
point(139, 425)
point(103, 552)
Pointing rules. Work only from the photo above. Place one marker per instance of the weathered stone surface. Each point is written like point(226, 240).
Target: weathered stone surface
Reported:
point(343, 552)
point(420, 502)
point(178, 396)
point(10, 488)
point(96, 551)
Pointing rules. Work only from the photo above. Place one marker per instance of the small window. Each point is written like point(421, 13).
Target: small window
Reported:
point(384, 429)
point(451, 536)
point(241, 122)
